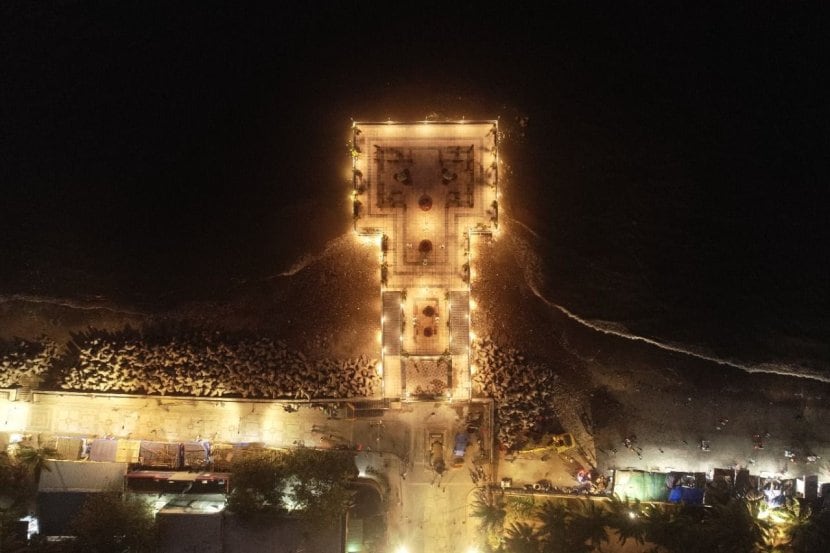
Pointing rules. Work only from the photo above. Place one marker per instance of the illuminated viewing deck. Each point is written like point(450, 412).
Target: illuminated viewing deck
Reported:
point(425, 191)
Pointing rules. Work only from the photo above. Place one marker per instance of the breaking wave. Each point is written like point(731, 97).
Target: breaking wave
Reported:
point(531, 265)
point(97, 304)
point(309, 259)
point(521, 224)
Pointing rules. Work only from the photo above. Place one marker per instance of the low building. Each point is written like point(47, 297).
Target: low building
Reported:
point(64, 487)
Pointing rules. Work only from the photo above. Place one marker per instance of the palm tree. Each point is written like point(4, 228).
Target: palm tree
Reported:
point(589, 524)
point(667, 526)
point(521, 506)
point(815, 537)
point(521, 538)
point(736, 527)
point(800, 530)
point(12, 477)
point(489, 508)
point(34, 460)
point(625, 517)
point(554, 519)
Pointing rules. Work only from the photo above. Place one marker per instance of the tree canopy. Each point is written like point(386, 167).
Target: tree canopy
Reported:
point(111, 523)
point(307, 481)
point(738, 525)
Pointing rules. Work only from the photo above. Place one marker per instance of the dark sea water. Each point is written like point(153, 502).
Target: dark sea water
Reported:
point(669, 168)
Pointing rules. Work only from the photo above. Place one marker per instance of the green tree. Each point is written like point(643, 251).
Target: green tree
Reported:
point(625, 517)
point(658, 522)
point(258, 480)
point(554, 529)
point(321, 464)
point(14, 485)
point(735, 527)
point(520, 507)
point(799, 530)
point(589, 524)
point(9, 516)
point(520, 537)
point(33, 460)
point(318, 485)
point(19, 476)
point(815, 536)
point(110, 523)
point(489, 508)
point(307, 481)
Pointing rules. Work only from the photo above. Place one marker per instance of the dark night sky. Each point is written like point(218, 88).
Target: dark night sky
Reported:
point(674, 161)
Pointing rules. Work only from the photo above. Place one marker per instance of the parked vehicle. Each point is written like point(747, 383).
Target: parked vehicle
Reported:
point(459, 449)
point(563, 442)
point(435, 451)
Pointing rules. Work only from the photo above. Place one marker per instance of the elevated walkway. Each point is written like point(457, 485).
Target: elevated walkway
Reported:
point(391, 323)
point(459, 322)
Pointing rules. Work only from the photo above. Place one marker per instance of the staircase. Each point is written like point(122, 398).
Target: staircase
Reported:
point(459, 322)
point(392, 323)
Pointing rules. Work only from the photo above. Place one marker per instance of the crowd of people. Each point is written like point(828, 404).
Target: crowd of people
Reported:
point(198, 363)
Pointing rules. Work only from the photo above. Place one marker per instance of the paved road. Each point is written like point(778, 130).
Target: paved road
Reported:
point(426, 513)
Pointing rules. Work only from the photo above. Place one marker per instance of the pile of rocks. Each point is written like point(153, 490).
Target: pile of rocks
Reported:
point(205, 364)
point(24, 362)
point(523, 392)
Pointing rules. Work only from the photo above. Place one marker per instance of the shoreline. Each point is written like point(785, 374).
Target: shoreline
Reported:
point(646, 384)
point(597, 326)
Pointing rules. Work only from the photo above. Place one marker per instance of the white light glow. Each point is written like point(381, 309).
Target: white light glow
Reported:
point(367, 239)
point(17, 417)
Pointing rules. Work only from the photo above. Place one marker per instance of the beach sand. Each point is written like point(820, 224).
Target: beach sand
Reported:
point(606, 387)
point(669, 401)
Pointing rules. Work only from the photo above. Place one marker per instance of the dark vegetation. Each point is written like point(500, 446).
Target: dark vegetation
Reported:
point(311, 485)
point(308, 482)
point(571, 525)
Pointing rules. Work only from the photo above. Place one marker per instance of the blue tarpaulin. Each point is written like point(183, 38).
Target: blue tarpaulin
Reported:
point(690, 496)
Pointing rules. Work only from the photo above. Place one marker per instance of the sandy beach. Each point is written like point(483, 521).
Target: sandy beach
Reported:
point(669, 401)
point(603, 388)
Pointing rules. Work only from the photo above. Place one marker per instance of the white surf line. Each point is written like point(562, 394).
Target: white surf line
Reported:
point(63, 302)
point(308, 259)
point(524, 226)
point(674, 349)
point(530, 262)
